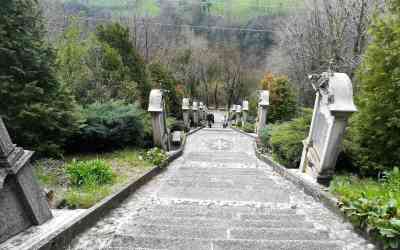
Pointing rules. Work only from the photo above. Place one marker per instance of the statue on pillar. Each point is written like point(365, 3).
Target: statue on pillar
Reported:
point(22, 201)
point(159, 119)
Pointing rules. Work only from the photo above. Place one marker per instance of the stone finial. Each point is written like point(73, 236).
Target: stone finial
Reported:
point(195, 106)
point(264, 98)
point(238, 108)
point(185, 104)
point(245, 106)
point(155, 101)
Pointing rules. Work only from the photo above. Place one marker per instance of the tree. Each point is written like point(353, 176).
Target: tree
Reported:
point(375, 130)
point(117, 37)
point(282, 98)
point(39, 111)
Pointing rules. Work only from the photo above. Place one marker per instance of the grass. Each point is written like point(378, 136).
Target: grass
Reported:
point(126, 164)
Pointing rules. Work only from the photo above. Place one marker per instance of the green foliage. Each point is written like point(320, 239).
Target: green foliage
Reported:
point(89, 173)
point(95, 70)
point(375, 128)
point(156, 156)
point(117, 37)
point(372, 205)
point(283, 106)
point(248, 127)
point(265, 136)
point(286, 139)
point(38, 110)
point(161, 76)
point(113, 124)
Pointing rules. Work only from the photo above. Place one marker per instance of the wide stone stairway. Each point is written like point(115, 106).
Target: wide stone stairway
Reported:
point(218, 196)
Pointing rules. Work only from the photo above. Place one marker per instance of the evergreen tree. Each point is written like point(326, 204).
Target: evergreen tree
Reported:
point(117, 37)
point(282, 98)
point(38, 111)
point(375, 130)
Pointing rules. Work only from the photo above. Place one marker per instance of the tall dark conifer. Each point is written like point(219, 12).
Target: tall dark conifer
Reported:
point(38, 110)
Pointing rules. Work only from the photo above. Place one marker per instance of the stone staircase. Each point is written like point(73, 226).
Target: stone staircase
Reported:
point(200, 227)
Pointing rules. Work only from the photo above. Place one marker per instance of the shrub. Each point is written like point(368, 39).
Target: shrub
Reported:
point(89, 173)
point(113, 124)
point(375, 128)
point(372, 205)
point(248, 127)
point(265, 136)
point(156, 156)
point(282, 98)
point(286, 140)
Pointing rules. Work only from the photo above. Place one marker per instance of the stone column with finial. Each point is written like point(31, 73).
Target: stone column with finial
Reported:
point(186, 113)
point(332, 109)
point(195, 109)
point(262, 111)
point(159, 122)
point(245, 111)
point(22, 201)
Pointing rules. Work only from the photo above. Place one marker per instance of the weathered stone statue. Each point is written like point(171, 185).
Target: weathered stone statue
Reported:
point(238, 115)
point(245, 111)
point(159, 122)
point(186, 112)
point(201, 112)
point(22, 201)
point(333, 106)
point(262, 111)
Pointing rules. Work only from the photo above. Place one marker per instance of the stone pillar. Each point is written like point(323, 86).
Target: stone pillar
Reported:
point(262, 111)
point(186, 112)
point(22, 201)
point(238, 115)
point(245, 111)
point(159, 123)
point(231, 114)
point(201, 112)
point(333, 107)
point(195, 109)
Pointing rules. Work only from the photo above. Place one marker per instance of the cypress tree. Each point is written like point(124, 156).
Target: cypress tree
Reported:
point(38, 110)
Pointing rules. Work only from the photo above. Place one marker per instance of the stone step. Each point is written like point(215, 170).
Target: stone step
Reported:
point(198, 232)
point(196, 244)
point(223, 213)
point(218, 223)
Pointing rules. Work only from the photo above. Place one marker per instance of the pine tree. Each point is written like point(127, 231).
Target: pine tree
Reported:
point(375, 130)
point(117, 37)
point(38, 111)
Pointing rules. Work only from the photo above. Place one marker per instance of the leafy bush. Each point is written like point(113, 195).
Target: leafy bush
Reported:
point(375, 129)
point(286, 140)
point(265, 136)
point(372, 205)
point(89, 173)
point(156, 156)
point(248, 127)
point(282, 98)
point(113, 124)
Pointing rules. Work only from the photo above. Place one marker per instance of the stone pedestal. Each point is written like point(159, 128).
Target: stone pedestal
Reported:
point(333, 106)
point(22, 201)
point(186, 113)
point(238, 115)
point(159, 123)
point(195, 109)
point(262, 111)
point(245, 111)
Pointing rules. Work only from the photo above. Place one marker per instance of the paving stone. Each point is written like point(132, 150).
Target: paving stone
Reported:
point(277, 234)
point(129, 242)
point(275, 245)
point(218, 223)
point(173, 231)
